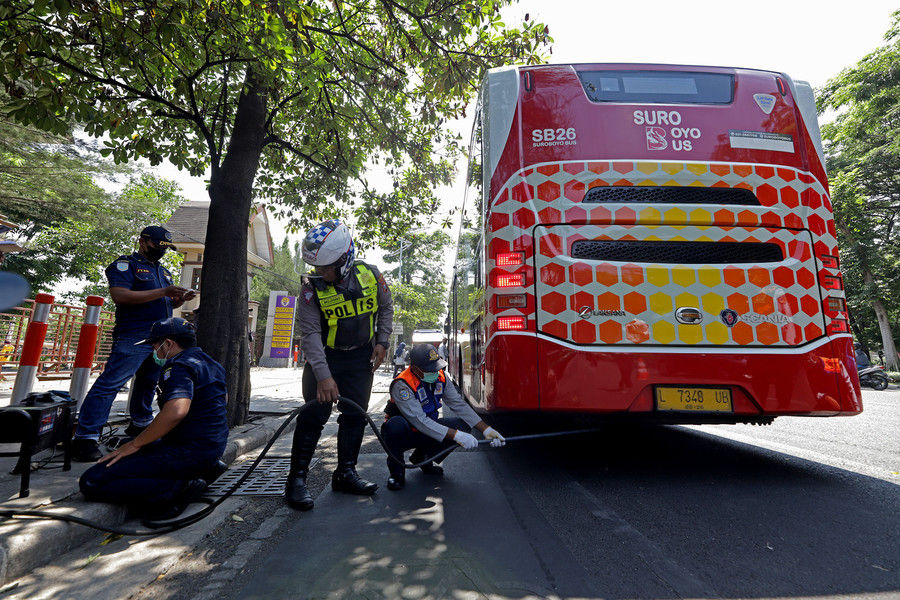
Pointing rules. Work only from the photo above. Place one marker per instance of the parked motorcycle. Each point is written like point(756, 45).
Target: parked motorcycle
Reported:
point(873, 377)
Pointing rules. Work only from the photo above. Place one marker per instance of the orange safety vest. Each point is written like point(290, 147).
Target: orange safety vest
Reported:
point(430, 400)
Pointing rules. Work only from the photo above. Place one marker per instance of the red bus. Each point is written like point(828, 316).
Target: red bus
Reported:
point(654, 240)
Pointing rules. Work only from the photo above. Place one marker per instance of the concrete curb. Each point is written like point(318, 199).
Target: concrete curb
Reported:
point(26, 545)
point(249, 437)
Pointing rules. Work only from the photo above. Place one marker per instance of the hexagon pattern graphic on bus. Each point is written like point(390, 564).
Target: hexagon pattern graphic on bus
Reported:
point(587, 301)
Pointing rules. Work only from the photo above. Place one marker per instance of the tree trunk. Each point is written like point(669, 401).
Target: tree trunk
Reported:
point(887, 339)
point(222, 331)
point(857, 332)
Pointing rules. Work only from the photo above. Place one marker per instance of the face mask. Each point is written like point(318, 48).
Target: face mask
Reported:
point(429, 377)
point(155, 253)
point(156, 358)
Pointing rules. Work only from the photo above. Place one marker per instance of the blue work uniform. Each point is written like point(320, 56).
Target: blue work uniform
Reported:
point(193, 374)
point(153, 475)
point(412, 421)
point(137, 273)
point(133, 321)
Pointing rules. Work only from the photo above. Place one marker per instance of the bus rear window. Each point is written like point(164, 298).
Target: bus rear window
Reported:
point(664, 87)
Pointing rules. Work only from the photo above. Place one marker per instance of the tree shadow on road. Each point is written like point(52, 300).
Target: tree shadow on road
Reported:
point(679, 512)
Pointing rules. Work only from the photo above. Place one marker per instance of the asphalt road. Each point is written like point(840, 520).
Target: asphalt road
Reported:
point(801, 508)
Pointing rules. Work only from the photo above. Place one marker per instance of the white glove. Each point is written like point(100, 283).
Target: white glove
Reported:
point(492, 434)
point(466, 440)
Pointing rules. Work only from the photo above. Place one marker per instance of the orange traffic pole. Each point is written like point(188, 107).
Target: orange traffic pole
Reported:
point(32, 347)
point(87, 346)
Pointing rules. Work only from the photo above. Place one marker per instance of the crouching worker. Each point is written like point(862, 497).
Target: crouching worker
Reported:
point(411, 416)
point(161, 470)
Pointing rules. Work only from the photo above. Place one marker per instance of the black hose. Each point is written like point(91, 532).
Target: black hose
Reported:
point(439, 455)
point(158, 527)
point(445, 451)
point(162, 527)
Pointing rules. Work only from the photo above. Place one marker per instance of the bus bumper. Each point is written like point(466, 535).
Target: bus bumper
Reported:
point(576, 381)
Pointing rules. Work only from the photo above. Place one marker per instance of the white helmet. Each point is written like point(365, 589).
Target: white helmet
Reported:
point(330, 244)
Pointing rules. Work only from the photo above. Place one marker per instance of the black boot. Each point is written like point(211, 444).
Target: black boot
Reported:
point(428, 468)
point(345, 478)
point(84, 450)
point(132, 431)
point(214, 472)
point(189, 493)
point(295, 492)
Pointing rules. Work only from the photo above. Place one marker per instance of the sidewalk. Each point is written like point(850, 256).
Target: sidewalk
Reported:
point(25, 545)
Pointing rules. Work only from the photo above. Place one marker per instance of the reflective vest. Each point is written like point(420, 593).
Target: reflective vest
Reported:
point(350, 315)
point(428, 396)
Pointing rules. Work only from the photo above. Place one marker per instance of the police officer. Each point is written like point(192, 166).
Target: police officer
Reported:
point(143, 293)
point(345, 315)
point(411, 416)
point(162, 469)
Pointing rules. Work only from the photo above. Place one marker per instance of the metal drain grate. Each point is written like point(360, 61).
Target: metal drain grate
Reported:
point(268, 479)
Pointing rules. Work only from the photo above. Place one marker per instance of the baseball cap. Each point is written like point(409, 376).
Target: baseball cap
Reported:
point(173, 327)
point(426, 358)
point(160, 235)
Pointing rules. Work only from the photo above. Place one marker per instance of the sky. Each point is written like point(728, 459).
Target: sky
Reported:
point(808, 40)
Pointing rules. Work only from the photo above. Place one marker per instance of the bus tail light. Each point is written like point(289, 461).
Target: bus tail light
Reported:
point(511, 301)
point(510, 259)
point(837, 305)
point(511, 323)
point(832, 282)
point(829, 261)
point(832, 365)
point(838, 326)
point(504, 280)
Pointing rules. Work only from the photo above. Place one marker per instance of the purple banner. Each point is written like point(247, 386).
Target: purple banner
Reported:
point(283, 326)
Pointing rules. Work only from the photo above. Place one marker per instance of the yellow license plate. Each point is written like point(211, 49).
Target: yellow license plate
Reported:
point(693, 399)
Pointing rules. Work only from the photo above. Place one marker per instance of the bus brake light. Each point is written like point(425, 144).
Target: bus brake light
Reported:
point(829, 261)
point(511, 301)
point(837, 305)
point(510, 259)
point(838, 326)
point(832, 282)
point(511, 323)
point(504, 280)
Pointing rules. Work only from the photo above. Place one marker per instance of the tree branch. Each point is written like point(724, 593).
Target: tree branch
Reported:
point(281, 105)
point(113, 82)
point(355, 41)
point(281, 143)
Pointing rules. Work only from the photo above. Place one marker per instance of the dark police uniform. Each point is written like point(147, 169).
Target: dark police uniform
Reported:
point(154, 474)
point(133, 321)
point(339, 326)
point(134, 272)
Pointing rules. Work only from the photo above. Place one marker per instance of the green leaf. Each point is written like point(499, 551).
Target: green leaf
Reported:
point(336, 87)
